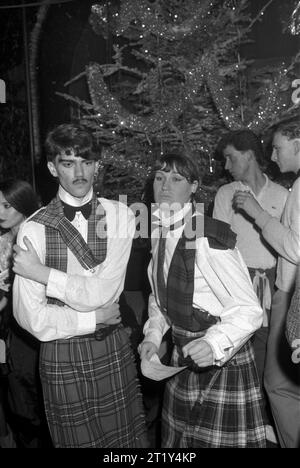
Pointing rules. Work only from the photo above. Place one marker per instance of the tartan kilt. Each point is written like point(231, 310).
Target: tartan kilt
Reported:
point(91, 392)
point(217, 408)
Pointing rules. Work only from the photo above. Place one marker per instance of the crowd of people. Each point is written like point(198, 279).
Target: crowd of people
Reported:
point(223, 288)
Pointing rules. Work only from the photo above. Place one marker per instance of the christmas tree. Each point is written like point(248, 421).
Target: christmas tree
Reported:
point(177, 82)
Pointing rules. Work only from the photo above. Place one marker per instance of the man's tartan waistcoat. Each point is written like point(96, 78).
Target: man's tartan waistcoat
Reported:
point(61, 234)
point(180, 283)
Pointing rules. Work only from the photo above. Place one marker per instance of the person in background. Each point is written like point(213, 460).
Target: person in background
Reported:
point(70, 267)
point(282, 377)
point(201, 289)
point(6, 436)
point(20, 350)
point(292, 330)
point(244, 157)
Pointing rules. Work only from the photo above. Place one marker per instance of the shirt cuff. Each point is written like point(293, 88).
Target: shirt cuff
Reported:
point(262, 219)
point(86, 323)
point(220, 345)
point(57, 283)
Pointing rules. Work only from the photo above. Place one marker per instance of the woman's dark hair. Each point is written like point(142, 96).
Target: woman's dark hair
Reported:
point(183, 164)
point(243, 140)
point(20, 195)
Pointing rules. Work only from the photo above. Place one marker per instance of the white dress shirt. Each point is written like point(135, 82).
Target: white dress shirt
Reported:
point(222, 286)
point(81, 290)
point(255, 251)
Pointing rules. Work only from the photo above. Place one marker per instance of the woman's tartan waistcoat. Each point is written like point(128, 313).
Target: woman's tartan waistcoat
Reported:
point(180, 283)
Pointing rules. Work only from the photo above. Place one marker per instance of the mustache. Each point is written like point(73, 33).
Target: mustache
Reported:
point(79, 180)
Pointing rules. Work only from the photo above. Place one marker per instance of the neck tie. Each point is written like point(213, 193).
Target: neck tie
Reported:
point(70, 211)
point(161, 284)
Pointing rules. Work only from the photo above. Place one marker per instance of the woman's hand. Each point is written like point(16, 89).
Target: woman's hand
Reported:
point(200, 351)
point(27, 263)
point(146, 349)
point(109, 315)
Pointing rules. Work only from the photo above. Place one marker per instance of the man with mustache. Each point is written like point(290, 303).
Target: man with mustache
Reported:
point(65, 292)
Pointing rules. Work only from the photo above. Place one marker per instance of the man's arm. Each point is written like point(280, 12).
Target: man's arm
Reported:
point(49, 322)
point(284, 239)
point(44, 321)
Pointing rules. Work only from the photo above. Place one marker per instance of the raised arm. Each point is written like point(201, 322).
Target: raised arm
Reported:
point(284, 239)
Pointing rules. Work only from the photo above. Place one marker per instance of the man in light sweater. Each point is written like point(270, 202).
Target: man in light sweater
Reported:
point(70, 269)
point(244, 158)
point(282, 379)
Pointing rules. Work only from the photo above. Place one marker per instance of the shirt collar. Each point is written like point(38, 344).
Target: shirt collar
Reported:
point(166, 221)
point(70, 200)
point(247, 188)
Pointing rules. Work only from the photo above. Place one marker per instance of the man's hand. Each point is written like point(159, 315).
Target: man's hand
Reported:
point(147, 349)
point(27, 263)
point(200, 351)
point(109, 315)
point(245, 201)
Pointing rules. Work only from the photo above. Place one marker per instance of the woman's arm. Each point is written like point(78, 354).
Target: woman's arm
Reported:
point(241, 315)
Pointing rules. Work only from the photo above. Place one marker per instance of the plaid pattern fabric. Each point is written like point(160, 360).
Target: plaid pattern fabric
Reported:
point(89, 254)
point(219, 234)
point(293, 315)
point(60, 234)
point(213, 406)
point(91, 393)
point(90, 387)
point(160, 279)
point(180, 285)
point(216, 408)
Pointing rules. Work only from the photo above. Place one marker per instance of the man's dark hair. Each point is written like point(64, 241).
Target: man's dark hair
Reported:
point(243, 140)
point(290, 129)
point(68, 139)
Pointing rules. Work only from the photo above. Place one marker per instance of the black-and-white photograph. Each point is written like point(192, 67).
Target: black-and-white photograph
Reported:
point(149, 226)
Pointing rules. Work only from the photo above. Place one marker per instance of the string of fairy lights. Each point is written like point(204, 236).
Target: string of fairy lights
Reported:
point(149, 19)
